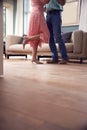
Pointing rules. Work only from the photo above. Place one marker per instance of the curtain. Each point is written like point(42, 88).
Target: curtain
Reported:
point(19, 18)
point(83, 16)
point(26, 15)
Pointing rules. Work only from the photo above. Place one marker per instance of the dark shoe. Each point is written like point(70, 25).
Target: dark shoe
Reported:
point(63, 62)
point(52, 62)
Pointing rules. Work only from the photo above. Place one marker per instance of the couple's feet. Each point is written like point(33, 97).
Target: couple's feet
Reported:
point(51, 62)
point(56, 62)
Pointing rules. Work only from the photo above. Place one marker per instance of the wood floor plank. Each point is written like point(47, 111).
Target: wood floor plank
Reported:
point(43, 97)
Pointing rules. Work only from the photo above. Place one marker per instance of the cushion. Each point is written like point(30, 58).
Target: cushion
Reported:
point(67, 37)
point(21, 39)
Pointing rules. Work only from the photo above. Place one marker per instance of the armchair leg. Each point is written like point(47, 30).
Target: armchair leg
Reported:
point(26, 56)
point(38, 58)
point(7, 56)
point(81, 60)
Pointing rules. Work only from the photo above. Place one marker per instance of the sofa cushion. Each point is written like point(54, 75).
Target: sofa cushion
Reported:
point(19, 48)
point(67, 37)
point(20, 41)
point(45, 48)
point(69, 47)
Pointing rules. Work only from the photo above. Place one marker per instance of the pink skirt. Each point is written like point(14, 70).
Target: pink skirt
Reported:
point(37, 25)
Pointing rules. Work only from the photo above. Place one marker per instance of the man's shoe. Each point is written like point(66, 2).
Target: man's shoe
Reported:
point(63, 62)
point(52, 62)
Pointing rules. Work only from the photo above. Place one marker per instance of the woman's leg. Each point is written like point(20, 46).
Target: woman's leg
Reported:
point(31, 38)
point(34, 54)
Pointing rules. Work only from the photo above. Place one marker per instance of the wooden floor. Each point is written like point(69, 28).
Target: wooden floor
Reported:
point(43, 97)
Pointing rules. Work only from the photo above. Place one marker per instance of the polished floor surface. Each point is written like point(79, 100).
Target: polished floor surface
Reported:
point(43, 97)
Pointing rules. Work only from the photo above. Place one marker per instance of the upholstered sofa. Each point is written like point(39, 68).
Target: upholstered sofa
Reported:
point(76, 46)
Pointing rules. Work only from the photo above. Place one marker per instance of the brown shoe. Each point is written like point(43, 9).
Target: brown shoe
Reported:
point(52, 62)
point(63, 62)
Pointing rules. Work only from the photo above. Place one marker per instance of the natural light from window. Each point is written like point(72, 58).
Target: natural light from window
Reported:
point(70, 15)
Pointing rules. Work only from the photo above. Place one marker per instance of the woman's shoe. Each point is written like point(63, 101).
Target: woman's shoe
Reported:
point(36, 62)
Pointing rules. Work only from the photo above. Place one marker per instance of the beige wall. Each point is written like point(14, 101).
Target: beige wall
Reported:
point(1, 37)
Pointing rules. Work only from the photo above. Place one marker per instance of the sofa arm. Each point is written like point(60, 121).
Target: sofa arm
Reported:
point(12, 39)
point(77, 40)
point(84, 47)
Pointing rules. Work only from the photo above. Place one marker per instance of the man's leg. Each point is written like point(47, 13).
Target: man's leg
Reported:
point(56, 23)
point(52, 42)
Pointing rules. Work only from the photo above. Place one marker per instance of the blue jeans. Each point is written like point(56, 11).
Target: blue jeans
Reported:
point(54, 21)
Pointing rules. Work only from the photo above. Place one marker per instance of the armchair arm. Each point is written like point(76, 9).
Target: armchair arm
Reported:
point(84, 47)
point(77, 40)
point(12, 39)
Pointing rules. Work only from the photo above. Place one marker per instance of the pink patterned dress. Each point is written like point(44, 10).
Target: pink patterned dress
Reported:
point(37, 24)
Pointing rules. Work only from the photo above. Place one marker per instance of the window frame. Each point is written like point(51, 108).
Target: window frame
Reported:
point(77, 14)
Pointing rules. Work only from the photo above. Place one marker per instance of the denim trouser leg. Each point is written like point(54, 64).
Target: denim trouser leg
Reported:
point(54, 25)
point(52, 41)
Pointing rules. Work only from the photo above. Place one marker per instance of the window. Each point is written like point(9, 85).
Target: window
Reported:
point(70, 15)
